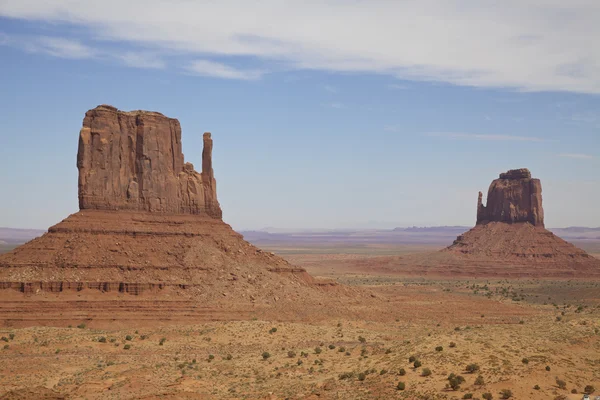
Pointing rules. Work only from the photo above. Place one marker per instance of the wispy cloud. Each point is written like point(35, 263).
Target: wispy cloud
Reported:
point(219, 70)
point(396, 86)
point(483, 136)
point(330, 89)
point(58, 47)
point(577, 156)
point(486, 38)
point(141, 60)
point(391, 128)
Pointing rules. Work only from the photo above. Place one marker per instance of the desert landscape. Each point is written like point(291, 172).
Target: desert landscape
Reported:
point(146, 293)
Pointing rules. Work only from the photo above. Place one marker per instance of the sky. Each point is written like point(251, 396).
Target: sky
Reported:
point(324, 114)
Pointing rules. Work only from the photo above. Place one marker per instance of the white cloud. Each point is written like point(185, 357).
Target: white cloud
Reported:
point(219, 70)
point(330, 89)
point(530, 45)
point(577, 156)
point(480, 136)
point(141, 60)
point(58, 47)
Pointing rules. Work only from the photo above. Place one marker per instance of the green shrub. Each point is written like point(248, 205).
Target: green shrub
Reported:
point(128, 337)
point(229, 357)
point(505, 394)
point(11, 336)
point(454, 381)
point(525, 361)
point(426, 372)
point(341, 349)
point(547, 368)
point(468, 396)
point(346, 375)
point(162, 341)
point(561, 384)
point(574, 391)
point(439, 348)
point(362, 376)
point(265, 355)
point(102, 339)
point(480, 381)
point(402, 372)
point(6, 347)
point(537, 387)
point(331, 346)
point(318, 350)
point(472, 368)
point(81, 326)
point(589, 389)
point(411, 359)
point(417, 364)
point(487, 396)
point(400, 386)
point(273, 330)
point(291, 354)
point(127, 347)
point(362, 339)
point(383, 372)
point(452, 344)
point(211, 357)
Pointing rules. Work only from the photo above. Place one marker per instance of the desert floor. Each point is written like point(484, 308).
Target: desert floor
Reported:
point(521, 335)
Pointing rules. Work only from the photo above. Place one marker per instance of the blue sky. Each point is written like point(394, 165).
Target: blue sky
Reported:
point(324, 115)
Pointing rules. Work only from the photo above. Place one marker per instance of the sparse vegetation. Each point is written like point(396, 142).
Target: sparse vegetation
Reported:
point(400, 386)
point(454, 381)
point(589, 389)
point(506, 394)
point(472, 368)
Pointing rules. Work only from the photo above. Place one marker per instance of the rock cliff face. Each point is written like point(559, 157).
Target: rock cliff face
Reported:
point(133, 161)
point(513, 197)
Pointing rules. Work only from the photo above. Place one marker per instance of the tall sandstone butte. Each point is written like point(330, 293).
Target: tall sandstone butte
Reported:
point(514, 197)
point(133, 161)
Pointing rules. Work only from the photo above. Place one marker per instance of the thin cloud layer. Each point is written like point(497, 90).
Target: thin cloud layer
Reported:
point(578, 156)
point(482, 136)
point(529, 45)
point(219, 70)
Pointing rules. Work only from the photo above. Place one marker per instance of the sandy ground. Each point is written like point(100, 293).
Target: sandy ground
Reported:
point(524, 336)
point(328, 359)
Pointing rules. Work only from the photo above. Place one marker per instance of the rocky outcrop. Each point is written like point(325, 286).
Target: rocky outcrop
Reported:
point(133, 161)
point(514, 197)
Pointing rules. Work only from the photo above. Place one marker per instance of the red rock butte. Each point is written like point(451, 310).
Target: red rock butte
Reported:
point(148, 224)
point(133, 161)
point(508, 241)
point(513, 197)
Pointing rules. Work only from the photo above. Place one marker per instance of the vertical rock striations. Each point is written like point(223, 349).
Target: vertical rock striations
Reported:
point(513, 197)
point(133, 161)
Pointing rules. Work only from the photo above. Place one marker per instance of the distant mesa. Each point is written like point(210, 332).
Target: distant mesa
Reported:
point(509, 240)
